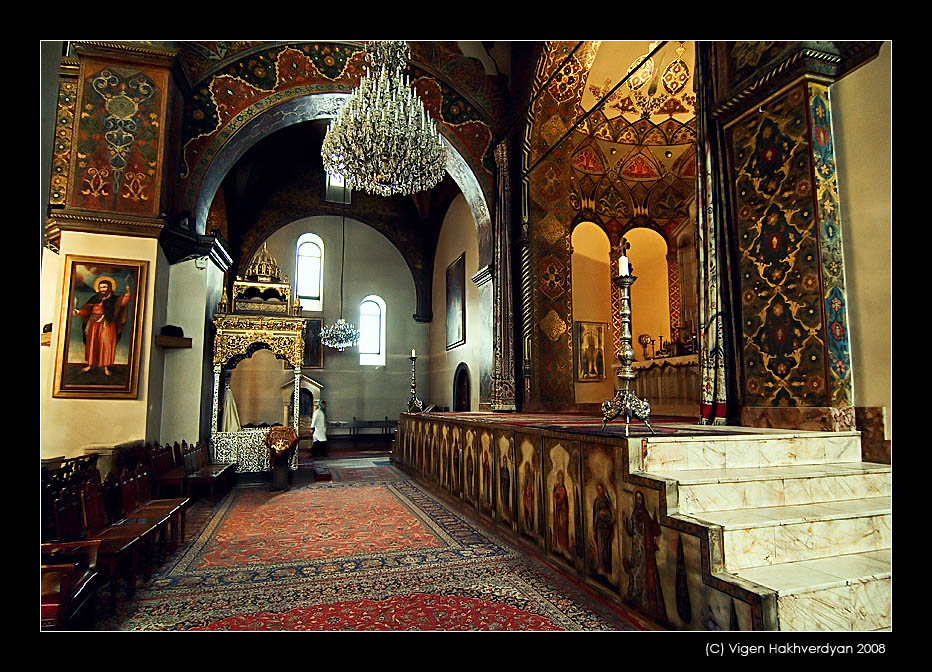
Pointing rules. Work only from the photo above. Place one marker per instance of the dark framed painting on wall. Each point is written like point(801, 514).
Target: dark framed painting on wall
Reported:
point(456, 302)
point(313, 350)
point(100, 328)
point(589, 352)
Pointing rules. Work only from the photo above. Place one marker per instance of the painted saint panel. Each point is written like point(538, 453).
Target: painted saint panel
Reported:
point(561, 488)
point(471, 467)
point(505, 478)
point(527, 457)
point(456, 460)
point(640, 546)
point(486, 462)
point(444, 456)
point(600, 513)
point(435, 459)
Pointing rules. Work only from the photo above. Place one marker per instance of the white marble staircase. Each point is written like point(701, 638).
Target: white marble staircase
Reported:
point(799, 514)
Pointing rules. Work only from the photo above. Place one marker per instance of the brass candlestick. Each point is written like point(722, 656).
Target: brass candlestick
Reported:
point(415, 405)
point(626, 402)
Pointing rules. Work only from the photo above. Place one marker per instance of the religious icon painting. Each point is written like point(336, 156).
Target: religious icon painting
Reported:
point(470, 466)
point(456, 302)
point(641, 532)
point(456, 461)
point(561, 497)
point(505, 477)
point(313, 350)
point(445, 456)
point(600, 514)
point(100, 328)
point(589, 351)
point(527, 457)
point(486, 465)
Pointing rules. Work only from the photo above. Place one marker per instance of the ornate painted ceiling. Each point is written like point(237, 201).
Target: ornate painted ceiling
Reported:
point(632, 155)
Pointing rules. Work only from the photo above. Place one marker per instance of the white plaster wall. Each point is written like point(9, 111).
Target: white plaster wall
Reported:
point(862, 126)
point(192, 286)
point(67, 425)
point(373, 266)
point(457, 235)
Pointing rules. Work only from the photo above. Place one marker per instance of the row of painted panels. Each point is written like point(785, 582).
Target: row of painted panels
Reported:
point(571, 499)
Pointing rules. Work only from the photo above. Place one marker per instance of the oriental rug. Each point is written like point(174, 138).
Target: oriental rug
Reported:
point(356, 555)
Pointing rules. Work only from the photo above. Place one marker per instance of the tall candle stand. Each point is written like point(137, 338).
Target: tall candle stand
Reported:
point(626, 402)
point(415, 405)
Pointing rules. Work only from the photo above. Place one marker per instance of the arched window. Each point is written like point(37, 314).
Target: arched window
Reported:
point(372, 331)
point(309, 272)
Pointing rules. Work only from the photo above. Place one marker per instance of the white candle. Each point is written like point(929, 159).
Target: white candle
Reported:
point(412, 353)
point(623, 265)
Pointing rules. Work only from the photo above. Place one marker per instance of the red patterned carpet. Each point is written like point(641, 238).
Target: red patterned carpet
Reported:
point(355, 555)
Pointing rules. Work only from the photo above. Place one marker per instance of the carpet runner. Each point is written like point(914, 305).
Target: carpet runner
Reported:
point(356, 555)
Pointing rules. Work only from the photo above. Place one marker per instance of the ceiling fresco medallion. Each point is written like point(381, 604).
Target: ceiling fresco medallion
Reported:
point(676, 74)
point(644, 73)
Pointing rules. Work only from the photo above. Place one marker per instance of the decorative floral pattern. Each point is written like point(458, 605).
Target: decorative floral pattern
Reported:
point(468, 580)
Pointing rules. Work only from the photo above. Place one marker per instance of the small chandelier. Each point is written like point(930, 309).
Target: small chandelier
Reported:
point(383, 141)
point(341, 334)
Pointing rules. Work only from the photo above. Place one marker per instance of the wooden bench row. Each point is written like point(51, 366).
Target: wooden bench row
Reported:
point(104, 531)
point(182, 467)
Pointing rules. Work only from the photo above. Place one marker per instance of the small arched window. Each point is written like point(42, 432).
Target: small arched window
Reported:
point(309, 272)
point(372, 331)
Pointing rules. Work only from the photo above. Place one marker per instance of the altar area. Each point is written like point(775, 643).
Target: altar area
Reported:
point(706, 527)
point(261, 316)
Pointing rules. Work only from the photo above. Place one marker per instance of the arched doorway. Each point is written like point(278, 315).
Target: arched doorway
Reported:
point(461, 388)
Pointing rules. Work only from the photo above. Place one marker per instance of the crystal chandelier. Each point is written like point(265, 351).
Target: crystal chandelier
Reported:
point(341, 334)
point(383, 141)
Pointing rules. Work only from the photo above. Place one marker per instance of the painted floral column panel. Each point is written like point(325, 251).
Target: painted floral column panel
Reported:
point(780, 161)
point(64, 132)
point(830, 239)
point(117, 153)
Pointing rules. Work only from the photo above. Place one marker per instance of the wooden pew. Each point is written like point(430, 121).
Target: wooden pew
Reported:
point(70, 580)
point(145, 502)
point(167, 472)
point(199, 470)
point(115, 553)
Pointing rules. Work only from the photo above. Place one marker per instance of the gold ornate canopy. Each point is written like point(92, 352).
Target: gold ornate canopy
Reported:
point(261, 315)
point(263, 290)
point(239, 334)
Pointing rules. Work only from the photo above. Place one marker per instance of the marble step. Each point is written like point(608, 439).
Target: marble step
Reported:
point(779, 534)
point(738, 451)
point(842, 592)
point(753, 487)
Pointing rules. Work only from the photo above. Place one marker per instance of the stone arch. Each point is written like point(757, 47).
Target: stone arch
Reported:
point(462, 388)
point(229, 146)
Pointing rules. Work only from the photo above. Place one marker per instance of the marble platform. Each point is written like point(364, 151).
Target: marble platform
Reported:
point(795, 513)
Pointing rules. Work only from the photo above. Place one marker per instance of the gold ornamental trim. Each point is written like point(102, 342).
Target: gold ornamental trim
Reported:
point(236, 334)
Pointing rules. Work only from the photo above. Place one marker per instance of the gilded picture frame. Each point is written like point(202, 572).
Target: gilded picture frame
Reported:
point(456, 302)
point(99, 338)
point(589, 351)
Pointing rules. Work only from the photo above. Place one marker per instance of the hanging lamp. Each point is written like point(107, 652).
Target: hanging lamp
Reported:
point(341, 334)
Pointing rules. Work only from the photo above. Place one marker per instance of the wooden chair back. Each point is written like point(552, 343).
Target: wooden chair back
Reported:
point(69, 515)
point(128, 490)
point(95, 509)
point(113, 498)
point(143, 484)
